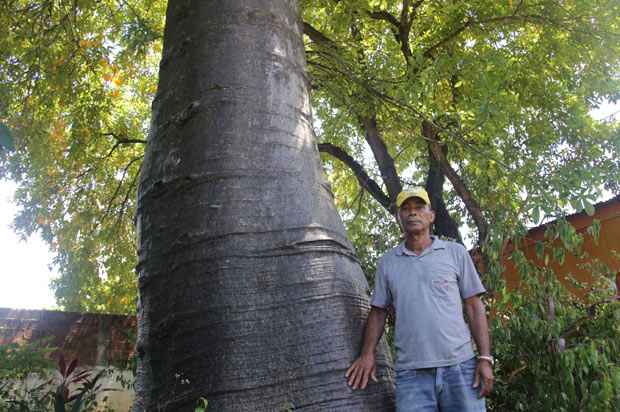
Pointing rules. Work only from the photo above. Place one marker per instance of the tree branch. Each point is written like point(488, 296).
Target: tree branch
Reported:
point(382, 156)
point(124, 140)
point(362, 177)
point(406, 20)
point(386, 16)
point(430, 134)
point(108, 209)
point(130, 191)
point(444, 225)
point(316, 36)
point(359, 198)
point(402, 27)
point(428, 53)
point(374, 139)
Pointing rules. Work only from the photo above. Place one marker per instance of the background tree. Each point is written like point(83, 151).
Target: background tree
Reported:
point(495, 93)
point(76, 81)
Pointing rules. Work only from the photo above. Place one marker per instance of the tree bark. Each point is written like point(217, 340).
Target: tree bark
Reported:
point(382, 156)
point(444, 224)
point(250, 294)
point(430, 134)
point(364, 180)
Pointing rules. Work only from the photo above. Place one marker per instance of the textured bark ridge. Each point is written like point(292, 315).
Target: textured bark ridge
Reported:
point(250, 293)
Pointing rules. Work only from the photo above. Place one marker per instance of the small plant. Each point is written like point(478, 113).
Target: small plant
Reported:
point(18, 361)
point(203, 404)
point(20, 366)
point(70, 390)
point(287, 407)
point(84, 396)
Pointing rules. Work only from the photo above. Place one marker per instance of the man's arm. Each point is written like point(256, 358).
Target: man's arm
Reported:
point(474, 308)
point(365, 366)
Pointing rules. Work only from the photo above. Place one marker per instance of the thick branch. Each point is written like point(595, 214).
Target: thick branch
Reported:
point(430, 134)
point(382, 156)
point(406, 19)
point(316, 36)
point(374, 139)
point(365, 181)
point(386, 16)
point(394, 23)
point(444, 224)
point(400, 27)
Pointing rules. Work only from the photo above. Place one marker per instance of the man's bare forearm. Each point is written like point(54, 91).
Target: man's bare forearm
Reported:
point(374, 330)
point(478, 324)
point(476, 313)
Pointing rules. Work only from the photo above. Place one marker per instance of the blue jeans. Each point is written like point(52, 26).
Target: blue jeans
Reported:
point(445, 389)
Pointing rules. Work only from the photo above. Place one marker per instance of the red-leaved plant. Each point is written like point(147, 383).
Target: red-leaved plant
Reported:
point(86, 391)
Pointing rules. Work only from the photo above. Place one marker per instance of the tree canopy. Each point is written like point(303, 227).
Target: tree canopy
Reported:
point(485, 103)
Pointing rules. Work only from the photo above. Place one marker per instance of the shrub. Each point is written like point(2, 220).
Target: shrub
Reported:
point(555, 352)
point(28, 383)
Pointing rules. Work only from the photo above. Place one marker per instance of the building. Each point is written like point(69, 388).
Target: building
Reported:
point(597, 253)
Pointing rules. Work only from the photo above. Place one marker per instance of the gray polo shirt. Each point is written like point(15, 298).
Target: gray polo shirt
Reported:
point(427, 293)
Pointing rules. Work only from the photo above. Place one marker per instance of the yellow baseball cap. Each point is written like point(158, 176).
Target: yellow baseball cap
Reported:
point(415, 192)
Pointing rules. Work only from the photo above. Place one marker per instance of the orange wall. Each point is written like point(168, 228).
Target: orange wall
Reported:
point(608, 213)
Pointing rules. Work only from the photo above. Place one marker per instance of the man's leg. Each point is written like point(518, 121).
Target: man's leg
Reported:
point(415, 390)
point(456, 393)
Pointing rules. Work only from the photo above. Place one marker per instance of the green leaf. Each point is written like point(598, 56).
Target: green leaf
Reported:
point(6, 139)
point(77, 404)
point(595, 230)
point(559, 254)
point(59, 403)
point(588, 207)
point(540, 249)
point(536, 215)
point(576, 204)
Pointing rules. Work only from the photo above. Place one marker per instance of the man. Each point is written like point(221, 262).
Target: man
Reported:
point(429, 281)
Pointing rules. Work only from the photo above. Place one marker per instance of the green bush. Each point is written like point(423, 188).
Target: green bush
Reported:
point(29, 384)
point(554, 351)
point(17, 361)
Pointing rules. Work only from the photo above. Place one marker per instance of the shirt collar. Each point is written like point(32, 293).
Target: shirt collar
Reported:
point(437, 244)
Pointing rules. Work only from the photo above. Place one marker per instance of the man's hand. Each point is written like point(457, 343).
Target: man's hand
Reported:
point(361, 370)
point(365, 366)
point(484, 375)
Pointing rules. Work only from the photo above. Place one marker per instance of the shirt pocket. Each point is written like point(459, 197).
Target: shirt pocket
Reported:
point(445, 287)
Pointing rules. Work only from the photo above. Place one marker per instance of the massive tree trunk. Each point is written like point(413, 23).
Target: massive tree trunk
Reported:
point(250, 293)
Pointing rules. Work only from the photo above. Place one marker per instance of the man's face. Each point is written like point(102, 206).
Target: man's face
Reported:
point(416, 216)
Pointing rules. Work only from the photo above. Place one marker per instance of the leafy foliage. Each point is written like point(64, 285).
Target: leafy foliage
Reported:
point(76, 80)
point(16, 362)
point(6, 139)
point(508, 85)
point(26, 385)
point(555, 352)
